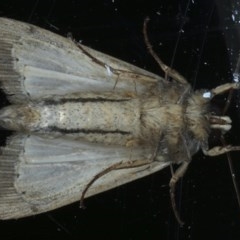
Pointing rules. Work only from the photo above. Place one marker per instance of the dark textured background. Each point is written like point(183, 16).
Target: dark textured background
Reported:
point(201, 40)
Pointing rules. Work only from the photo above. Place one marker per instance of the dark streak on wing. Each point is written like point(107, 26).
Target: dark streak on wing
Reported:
point(85, 131)
point(83, 100)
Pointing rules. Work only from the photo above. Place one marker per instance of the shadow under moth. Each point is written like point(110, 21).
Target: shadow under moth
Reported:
point(85, 122)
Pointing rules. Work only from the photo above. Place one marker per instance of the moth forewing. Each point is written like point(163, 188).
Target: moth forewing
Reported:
point(37, 63)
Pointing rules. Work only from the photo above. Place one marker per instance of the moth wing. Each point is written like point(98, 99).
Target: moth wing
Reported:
point(35, 63)
point(39, 174)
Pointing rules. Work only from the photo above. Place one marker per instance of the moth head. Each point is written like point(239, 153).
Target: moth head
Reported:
point(222, 123)
point(199, 117)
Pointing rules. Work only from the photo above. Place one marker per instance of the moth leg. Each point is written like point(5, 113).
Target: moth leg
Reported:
point(218, 150)
point(224, 88)
point(176, 176)
point(168, 70)
point(117, 166)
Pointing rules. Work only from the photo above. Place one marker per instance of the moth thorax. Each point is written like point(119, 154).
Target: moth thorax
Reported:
point(197, 116)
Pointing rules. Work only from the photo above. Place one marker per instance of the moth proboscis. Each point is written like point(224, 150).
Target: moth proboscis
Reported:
point(78, 114)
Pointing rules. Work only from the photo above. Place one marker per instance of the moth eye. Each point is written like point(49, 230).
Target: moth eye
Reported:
point(207, 95)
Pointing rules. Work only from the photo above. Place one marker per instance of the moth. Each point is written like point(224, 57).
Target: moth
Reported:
point(85, 122)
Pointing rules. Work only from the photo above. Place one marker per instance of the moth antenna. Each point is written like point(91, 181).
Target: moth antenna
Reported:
point(120, 165)
point(235, 79)
point(110, 70)
point(230, 88)
point(230, 163)
point(116, 166)
point(95, 178)
point(167, 70)
point(176, 176)
point(94, 59)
